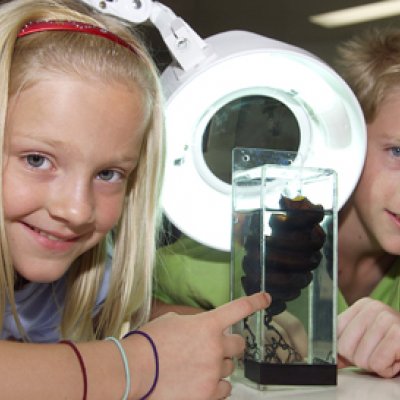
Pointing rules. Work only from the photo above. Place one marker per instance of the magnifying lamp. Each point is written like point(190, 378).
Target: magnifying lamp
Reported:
point(253, 92)
point(241, 89)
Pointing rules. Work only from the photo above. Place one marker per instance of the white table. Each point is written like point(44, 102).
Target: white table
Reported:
point(352, 385)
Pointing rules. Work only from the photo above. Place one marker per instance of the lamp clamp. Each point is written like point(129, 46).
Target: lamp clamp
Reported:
point(185, 45)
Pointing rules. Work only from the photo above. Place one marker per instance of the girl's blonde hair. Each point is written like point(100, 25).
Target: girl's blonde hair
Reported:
point(25, 61)
point(370, 63)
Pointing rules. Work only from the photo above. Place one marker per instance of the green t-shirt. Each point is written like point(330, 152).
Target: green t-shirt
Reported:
point(387, 291)
point(192, 274)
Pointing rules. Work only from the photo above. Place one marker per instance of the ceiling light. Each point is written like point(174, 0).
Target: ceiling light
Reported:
point(358, 14)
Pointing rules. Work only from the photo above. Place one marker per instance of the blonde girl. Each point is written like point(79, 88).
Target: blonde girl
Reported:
point(82, 141)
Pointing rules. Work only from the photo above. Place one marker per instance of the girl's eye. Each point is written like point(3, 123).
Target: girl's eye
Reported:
point(37, 161)
point(110, 175)
point(395, 151)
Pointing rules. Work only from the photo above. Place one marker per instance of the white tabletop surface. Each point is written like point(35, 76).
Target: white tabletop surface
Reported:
point(352, 385)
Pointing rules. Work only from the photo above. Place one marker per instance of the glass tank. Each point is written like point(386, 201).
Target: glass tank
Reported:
point(284, 243)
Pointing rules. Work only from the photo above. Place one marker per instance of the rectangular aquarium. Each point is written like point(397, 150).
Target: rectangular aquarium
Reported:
point(284, 242)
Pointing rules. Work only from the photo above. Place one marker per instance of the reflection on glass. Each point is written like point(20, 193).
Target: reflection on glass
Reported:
point(252, 122)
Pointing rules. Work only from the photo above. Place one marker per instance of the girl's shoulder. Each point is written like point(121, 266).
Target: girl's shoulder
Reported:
point(39, 307)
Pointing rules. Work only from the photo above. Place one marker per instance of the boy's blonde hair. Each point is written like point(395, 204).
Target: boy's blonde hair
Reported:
point(29, 59)
point(370, 63)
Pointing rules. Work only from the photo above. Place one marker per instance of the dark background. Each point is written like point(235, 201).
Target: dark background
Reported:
point(284, 20)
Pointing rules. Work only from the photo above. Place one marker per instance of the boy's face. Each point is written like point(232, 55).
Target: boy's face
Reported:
point(377, 197)
point(70, 147)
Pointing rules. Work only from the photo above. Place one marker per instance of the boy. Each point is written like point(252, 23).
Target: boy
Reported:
point(369, 225)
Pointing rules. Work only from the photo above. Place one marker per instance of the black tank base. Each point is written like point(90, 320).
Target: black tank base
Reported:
point(290, 374)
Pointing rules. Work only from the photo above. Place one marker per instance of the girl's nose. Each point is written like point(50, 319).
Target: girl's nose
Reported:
point(72, 202)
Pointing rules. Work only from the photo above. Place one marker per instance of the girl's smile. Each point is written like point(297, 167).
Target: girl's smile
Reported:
point(62, 191)
point(52, 241)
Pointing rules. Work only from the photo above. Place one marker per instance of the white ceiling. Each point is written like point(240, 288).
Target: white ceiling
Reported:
point(284, 20)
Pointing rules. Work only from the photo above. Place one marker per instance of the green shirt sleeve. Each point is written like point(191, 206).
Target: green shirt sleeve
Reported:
point(189, 273)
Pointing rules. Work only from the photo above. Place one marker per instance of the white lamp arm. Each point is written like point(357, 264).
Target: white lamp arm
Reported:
point(184, 44)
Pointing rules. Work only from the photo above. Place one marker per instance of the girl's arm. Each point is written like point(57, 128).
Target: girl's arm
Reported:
point(195, 356)
point(52, 371)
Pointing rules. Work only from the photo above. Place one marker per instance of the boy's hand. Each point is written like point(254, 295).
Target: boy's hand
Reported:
point(292, 332)
point(369, 337)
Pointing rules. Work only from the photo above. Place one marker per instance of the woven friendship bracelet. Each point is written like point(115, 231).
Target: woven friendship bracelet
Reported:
point(156, 359)
point(81, 364)
point(126, 366)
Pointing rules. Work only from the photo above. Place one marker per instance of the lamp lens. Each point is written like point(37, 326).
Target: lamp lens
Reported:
point(253, 121)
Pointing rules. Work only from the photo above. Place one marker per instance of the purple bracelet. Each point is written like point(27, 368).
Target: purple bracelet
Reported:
point(150, 340)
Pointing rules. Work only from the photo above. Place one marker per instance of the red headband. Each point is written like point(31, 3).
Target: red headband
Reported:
point(42, 26)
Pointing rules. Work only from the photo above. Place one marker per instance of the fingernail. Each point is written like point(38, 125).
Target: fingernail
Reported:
point(267, 297)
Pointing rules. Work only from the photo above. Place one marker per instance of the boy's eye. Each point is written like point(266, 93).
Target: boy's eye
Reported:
point(110, 175)
point(37, 161)
point(395, 151)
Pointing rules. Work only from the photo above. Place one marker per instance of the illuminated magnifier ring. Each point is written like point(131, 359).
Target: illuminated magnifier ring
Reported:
point(248, 70)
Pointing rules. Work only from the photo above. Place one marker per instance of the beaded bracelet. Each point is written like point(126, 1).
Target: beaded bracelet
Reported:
point(156, 359)
point(126, 366)
point(81, 363)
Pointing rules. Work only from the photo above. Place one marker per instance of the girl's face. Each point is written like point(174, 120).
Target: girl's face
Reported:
point(70, 146)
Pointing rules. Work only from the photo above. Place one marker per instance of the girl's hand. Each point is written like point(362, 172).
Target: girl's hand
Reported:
point(195, 352)
point(369, 337)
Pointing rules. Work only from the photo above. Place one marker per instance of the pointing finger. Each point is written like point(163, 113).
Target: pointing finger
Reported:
point(230, 313)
